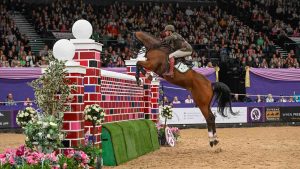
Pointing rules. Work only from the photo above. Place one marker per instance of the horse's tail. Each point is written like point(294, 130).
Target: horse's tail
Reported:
point(223, 96)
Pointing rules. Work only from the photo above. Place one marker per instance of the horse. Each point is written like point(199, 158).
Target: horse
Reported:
point(202, 90)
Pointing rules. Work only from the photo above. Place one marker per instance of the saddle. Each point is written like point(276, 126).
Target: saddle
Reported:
point(181, 64)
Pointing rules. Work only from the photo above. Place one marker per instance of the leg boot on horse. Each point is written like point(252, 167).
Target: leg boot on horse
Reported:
point(171, 70)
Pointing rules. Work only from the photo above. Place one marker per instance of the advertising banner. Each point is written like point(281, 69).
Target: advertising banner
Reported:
point(256, 115)
point(272, 114)
point(194, 116)
point(290, 114)
point(5, 119)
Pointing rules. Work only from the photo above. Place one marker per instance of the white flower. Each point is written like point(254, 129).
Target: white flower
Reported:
point(90, 117)
point(45, 124)
point(85, 117)
point(39, 122)
point(40, 134)
point(94, 118)
point(61, 136)
point(21, 115)
point(53, 124)
point(26, 114)
point(26, 139)
point(48, 136)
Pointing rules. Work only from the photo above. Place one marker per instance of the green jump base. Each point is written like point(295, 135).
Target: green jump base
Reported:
point(124, 141)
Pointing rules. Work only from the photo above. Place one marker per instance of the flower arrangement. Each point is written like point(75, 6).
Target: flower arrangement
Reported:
point(26, 116)
point(167, 112)
point(45, 134)
point(175, 132)
point(25, 158)
point(93, 152)
point(94, 113)
point(74, 159)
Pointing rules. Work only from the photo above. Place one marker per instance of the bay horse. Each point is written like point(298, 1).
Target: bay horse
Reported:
point(201, 88)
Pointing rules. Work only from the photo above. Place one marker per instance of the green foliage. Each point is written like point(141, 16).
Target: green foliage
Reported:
point(92, 151)
point(50, 85)
point(45, 135)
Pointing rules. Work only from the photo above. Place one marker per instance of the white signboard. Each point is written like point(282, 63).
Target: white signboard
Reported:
point(194, 116)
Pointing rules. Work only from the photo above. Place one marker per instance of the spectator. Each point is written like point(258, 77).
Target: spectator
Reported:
point(235, 98)
point(282, 99)
point(189, 99)
point(247, 99)
point(176, 101)
point(291, 99)
point(269, 99)
point(10, 100)
point(165, 101)
point(28, 102)
point(258, 99)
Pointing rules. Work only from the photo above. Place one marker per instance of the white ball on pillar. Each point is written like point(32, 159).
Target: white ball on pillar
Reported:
point(64, 50)
point(82, 29)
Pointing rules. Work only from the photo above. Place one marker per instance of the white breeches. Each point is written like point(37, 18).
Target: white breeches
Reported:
point(179, 54)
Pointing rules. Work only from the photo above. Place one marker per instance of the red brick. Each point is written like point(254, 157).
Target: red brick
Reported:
point(66, 126)
point(84, 63)
point(75, 134)
point(73, 116)
point(87, 55)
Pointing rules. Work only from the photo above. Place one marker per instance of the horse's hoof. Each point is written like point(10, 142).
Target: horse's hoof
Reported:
point(216, 142)
point(211, 143)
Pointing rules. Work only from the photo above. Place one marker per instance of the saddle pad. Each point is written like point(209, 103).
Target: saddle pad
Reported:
point(181, 67)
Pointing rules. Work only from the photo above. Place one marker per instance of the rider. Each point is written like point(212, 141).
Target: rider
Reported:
point(181, 47)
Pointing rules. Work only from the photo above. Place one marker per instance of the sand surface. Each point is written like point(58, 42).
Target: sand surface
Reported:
point(263, 147)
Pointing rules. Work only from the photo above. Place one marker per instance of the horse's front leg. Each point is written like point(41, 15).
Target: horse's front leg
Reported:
point(140, 65)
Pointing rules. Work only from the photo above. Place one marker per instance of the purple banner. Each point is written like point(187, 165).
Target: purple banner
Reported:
point(20, 73)
point(18, 87)
point(277, 74)
point(256, 115)
point(263, 86)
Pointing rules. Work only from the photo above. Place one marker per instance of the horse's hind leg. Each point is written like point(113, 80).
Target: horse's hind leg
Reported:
point(202, 99)
point(211, 126)
point(215, 138)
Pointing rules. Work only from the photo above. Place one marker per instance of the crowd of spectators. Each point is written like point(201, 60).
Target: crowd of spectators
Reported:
point(213, 32)
point(15, 50)
point(206, 28)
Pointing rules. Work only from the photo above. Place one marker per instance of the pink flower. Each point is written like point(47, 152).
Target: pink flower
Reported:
point(3, 160)
point(11, 160)
point(20, 151)
point(65, 166)
point(2, 155)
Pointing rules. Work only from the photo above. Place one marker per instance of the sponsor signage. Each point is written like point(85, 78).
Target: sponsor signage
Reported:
point(5, 119)
point(290, 114)
point(272, 113)
point(256, 114)
point(194, 116)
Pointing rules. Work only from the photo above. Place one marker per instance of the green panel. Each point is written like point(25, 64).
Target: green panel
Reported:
point(153, 133)
point(107, 149)
point(144, 133)
point(138, 140)
point(131, 139)
point(118, 142)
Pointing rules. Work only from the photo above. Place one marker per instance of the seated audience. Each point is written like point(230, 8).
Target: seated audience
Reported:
point(269, 99)
point(247, 99)
point(28, 102)
point(282, 99)
point(176, 101)
point(258, 99)
point(10, 100)
point(189, 99)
